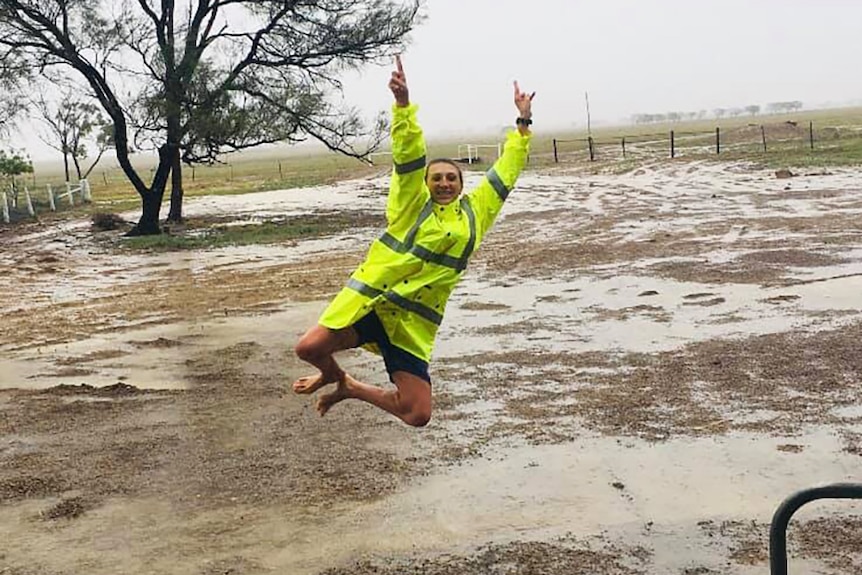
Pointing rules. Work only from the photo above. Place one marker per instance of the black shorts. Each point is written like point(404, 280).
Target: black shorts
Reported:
point(370, 330)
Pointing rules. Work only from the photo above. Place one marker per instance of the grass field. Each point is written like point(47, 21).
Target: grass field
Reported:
point(837, 141)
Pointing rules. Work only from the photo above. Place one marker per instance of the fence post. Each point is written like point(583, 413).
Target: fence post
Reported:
point(624, 147)
point(763, 136)
point(672, 148)
point(280, 173)
point(556, 159)
point(811, 133)
point(30, 209)
point(69, 191)
point(717, 140)
point(5, 206)
point(85, 191)
point(51, 198)
point(592, 151)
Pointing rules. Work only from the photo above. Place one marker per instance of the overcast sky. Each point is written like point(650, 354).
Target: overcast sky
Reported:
point(631, 56)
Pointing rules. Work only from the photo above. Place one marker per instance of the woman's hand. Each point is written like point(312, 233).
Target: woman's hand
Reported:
point(524, 103)
point(398, 85)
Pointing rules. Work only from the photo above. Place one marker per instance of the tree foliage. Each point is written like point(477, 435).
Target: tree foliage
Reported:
point(74, 123)
point(14, 164)
point(196, 79)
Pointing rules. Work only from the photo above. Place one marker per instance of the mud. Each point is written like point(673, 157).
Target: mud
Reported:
point(635, 371)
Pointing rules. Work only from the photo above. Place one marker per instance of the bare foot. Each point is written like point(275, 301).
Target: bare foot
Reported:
point(311, 383)
point(342, 392)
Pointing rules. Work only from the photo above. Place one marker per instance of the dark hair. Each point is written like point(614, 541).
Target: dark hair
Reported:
point(445, 161)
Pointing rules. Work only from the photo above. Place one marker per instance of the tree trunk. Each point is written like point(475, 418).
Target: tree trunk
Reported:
point(66, 164)
point(148, 225)
point(176, 212)
point(151, 201)
point(77, 167)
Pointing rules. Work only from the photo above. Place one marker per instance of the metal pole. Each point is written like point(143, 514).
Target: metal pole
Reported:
point(672, 149)
point(778, 527)
point(556, 159)
point(717, 141)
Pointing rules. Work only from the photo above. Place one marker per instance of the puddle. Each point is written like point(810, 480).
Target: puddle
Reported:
point(139, 359)
point(552, 316)
point(650, 494)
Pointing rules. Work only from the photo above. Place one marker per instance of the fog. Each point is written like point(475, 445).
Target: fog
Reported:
point(630, 56)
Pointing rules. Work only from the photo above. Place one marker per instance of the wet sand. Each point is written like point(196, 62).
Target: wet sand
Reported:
point(633, 374)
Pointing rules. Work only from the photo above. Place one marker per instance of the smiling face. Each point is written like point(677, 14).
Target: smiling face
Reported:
point(444, 180)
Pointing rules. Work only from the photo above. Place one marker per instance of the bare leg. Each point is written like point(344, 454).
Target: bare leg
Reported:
point(316, 347)
point(410, 401)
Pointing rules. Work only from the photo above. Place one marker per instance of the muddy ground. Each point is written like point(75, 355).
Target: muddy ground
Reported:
point(635, 371)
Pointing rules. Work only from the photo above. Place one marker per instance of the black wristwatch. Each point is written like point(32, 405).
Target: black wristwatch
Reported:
point(523, 122)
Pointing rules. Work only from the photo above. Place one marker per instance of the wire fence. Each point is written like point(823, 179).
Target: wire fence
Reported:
point(752, 138)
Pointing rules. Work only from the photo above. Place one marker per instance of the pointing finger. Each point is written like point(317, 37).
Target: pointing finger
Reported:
point(398, 65)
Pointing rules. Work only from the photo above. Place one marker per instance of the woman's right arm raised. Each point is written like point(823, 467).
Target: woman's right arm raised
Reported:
point(408, 150)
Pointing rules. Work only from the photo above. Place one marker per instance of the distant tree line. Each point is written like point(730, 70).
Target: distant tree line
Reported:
point(751, 110)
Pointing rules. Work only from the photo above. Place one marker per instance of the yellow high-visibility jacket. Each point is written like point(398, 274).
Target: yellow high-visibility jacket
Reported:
point(411, 269)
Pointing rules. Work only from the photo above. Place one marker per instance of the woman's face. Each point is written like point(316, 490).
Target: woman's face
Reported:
point(444, 181)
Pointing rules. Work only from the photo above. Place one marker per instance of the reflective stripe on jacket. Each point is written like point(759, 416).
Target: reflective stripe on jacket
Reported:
point(411, 269)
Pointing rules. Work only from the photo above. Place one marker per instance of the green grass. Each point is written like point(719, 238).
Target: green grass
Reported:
point(837, 134)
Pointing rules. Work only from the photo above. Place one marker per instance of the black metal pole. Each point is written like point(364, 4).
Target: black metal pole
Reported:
point(556, 159)
point(811, 133)
point(717, 141)
point(672, 149)
point(763, 136)
point(778, 528)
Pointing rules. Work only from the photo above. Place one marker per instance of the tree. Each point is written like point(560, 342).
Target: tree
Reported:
point(73, 123)
point(260, 70)
point(752, 109)
point(779, 107)
point(13, 164)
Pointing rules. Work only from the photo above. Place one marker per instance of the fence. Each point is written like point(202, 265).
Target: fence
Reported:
point(10, 199)
point(675, 143)
point(473, 152)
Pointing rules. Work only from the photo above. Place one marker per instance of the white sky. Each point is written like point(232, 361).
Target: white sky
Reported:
point(632, 56)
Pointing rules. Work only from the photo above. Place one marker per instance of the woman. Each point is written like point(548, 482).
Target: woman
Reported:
point(393, 303)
